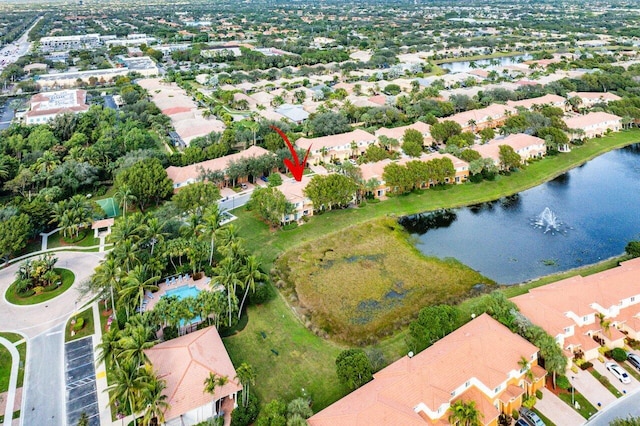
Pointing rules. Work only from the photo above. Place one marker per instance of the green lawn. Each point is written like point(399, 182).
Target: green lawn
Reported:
point(545, 419)
point(606, 383)
point(303, 360)
point(67, 280)
point(5, 361)
point(586, 408)
point(57, 240)
point(631, 370)
point(87, 329)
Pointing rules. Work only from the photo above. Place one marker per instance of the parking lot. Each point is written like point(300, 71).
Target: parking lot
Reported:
point(80, 379)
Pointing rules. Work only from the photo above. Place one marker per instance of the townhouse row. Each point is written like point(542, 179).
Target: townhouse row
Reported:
point(484, 362)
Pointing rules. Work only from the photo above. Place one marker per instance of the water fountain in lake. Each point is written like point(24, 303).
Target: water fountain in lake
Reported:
point(548, 221)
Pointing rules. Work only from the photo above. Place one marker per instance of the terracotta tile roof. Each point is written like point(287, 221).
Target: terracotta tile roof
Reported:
point(606, 96)
point(511, 393)
point(182, 174)
point(102, 223)
point(542, 100)
point(54, 103)
point(185, 362)
point(517, 141)
point(335, 140)
point(489, 413)
point(582, 121)
point(483, 350)
point(495, 111)
point(293, 190)
point(398, 132)
point(548, 305)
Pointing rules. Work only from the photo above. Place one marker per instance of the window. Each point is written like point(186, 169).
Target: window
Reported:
point(467, 384)
point(567, 329)
point(453, 393)
point(633, 299)
point(496, 390)
point(585, 318)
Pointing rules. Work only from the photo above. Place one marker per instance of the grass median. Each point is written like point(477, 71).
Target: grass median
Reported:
point(67, 278)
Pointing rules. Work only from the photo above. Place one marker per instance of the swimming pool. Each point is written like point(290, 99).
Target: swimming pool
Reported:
point(182, 292)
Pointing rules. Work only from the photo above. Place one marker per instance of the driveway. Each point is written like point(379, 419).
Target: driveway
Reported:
point(628, 388)
point(622, 408)
point(33, 320)
point(557, 411)
point(43, 324)
point(591, 388)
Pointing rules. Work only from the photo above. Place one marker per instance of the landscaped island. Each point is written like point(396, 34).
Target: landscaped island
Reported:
point(366, 281)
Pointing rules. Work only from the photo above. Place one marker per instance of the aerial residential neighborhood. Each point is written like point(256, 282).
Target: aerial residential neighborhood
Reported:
point(319, 213)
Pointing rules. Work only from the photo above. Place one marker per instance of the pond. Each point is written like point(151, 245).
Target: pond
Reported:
point(584, 216)
point(465, 66)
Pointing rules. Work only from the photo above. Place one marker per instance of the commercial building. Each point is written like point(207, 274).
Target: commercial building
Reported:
point(86, 41)
point(44, 107)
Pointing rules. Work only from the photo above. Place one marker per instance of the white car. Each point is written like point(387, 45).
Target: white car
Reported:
point(619, 372)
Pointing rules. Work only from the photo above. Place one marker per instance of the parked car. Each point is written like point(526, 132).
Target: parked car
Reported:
point(530, 417)
point(243, 186)
point(522, 422)
point(634, 360)
point(618, 372)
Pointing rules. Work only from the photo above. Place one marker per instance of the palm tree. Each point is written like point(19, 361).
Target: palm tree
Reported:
point(155, 402)
point(124, 196)
point(604, 323)
point(227, 275)
point(247, 377)
point(523, 362)
point(153, 231)
point(136, 284)
point(472, 123)
point(125, 254)
point(465, 414)
point(209, 225)
point(135, 340)
point(108, 275)
point(250, 273)
point(128, 382)
point(109, 349)
point(210, 384)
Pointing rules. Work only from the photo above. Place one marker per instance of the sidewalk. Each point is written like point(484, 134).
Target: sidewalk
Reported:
point(13, 379)
point(101, 372)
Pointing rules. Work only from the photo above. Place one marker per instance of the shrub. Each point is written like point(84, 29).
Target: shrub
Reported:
point(619, 354)
point(27, 293)
point(39, 289)
point(529, 402)
point(563, 382)
point(515, 414)
point(290, 226)
point(79, 325)
point(170, 332)
point(244, 416)
point(539, 394)
point(262, 294)
point(604, 380)
point(586, 365)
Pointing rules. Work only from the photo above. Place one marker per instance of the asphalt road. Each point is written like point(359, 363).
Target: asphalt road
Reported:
point(18, 48)
point(43, 395)
point(622, 408)
point(234, 202)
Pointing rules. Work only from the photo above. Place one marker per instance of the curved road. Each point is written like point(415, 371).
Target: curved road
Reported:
point(43, 324)
point(622, 408)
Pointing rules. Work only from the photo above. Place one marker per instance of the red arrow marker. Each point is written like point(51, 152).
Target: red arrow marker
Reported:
point(295, 167)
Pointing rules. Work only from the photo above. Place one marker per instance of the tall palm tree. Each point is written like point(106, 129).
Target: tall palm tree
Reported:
point(250, 274)
point(128, 382)
point(523, 362)
point(247, 377)
point(108, 275)
point(109, 348)
point(465, 414)
point(136, 284)
point(136, 338)
point(209, 225)
point(124, 196)
point(125, 254)
point(604, 323)
point(153, 231)
point(154, 401)
point(227, 275)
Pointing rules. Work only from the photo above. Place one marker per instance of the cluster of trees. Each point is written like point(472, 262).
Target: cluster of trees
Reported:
point(279, 413)
point(418, 174)
point(271, 205)
point(327, 192)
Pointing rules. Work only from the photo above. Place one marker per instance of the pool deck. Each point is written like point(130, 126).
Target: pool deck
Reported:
point(174, 283)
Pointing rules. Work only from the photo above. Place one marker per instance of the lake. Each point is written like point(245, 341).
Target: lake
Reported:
point(508, 240)
point(465, 66)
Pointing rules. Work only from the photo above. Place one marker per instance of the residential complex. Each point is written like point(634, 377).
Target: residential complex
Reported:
point(582, 313)
point(337, 147)
point(528, 147)
point(593, 124)
point(479, 362)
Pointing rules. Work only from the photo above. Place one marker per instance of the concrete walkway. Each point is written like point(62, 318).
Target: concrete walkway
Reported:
point(557, 411)
point(13, 379)
point(45, 238)
point(591, 388)
point(101, 371)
